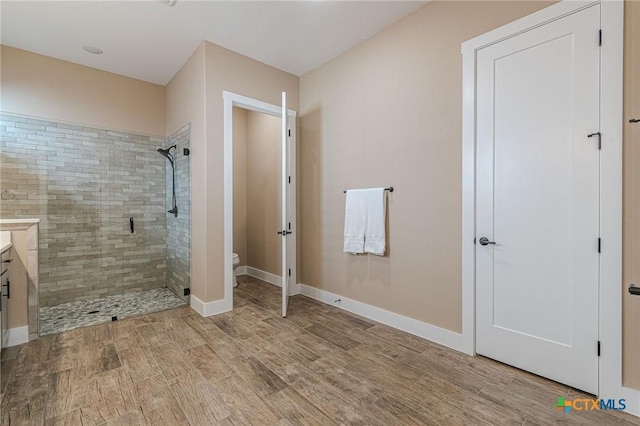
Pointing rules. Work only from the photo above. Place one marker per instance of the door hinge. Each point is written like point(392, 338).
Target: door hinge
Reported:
point(598, 347)
point(289, 179)
point(599, 138)
point(599, 245)
point(289, 271)
point(600, 38)
point(289, 132)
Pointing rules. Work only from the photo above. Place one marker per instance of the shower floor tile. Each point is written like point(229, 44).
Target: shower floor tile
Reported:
point(67, 316)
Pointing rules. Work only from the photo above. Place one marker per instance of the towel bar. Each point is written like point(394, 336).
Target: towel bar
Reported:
point(390, 189)
point(634, 290)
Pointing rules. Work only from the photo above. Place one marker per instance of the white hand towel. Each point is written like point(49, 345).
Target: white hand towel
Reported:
point(375, 234)
point(355, 219)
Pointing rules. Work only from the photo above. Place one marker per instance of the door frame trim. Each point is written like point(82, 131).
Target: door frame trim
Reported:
point(610, 322)
point(231, 100)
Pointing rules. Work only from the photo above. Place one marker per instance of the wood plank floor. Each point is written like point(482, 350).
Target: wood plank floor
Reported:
point(319, 366)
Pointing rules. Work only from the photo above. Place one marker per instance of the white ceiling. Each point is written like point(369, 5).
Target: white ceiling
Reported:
point(150, 41)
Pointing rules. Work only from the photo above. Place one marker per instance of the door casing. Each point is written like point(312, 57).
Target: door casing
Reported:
point(231, 100)
point(610, 323)
point(537, 188)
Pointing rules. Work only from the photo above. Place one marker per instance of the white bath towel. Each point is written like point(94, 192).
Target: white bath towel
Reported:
point(355, 220)
point(375, 233)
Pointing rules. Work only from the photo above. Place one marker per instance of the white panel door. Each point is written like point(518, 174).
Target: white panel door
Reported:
point(285, 205)
point(538, 200)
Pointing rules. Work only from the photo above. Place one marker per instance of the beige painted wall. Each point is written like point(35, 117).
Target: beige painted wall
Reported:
point(227, 70)
point(631, 212)
point(222, 70)
point(389, 112)
point(264, 162)
point(44, 87)
point(240, 184)
point(256, 189)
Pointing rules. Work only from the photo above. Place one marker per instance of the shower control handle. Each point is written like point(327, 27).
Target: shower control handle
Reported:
point(284, 233)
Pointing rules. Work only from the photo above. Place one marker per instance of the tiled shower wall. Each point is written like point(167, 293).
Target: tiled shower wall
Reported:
point(179, 228)
point(84, 184)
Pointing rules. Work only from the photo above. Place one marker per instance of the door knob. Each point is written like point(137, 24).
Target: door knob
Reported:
point(485, 241)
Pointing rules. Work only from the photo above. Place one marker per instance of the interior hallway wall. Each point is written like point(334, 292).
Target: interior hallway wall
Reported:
point(195, 95)
point(389, 112)
point(264, 165)
point(227, 70)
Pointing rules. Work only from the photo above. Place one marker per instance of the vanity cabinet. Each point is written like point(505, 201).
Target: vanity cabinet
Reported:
point(19, 237)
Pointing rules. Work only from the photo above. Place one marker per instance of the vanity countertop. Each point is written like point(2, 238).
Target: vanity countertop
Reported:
point(5, 240)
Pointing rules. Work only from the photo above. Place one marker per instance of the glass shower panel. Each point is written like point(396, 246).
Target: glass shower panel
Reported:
point(179, 227)
point(112, 238)
point(144, 210)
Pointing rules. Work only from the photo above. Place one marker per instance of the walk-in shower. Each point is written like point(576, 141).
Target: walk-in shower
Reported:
point(88, 186)
point(166, 153)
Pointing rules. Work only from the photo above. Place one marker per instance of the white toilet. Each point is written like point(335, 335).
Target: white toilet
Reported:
point(236, 262)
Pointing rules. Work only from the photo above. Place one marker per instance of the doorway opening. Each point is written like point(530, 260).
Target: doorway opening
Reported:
point(260, 194)
point(257, 163)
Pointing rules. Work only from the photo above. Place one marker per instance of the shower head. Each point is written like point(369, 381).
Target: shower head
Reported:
point(166, 153)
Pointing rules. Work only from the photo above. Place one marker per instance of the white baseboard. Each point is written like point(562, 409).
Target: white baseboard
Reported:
point(418, 328)
point(17, 336)
point(206, 309)
point(264, 276)
point(294, 289)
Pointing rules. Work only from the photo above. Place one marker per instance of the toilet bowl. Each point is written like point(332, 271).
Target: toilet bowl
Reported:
point(236, 262)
